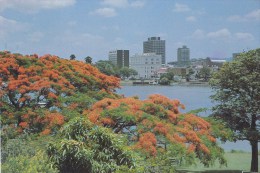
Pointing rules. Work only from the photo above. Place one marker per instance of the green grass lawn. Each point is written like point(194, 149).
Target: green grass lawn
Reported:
point(236, 162)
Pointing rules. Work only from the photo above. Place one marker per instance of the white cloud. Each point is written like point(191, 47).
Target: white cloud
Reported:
point(254, 15)
point(220, 34)
point(4, 21)
point(123, 3)
point(111, 5)
point(8, 26)
point(244, 36)
point(34, 5)
point(191, 19)
point(137, 4)
point(115, 3)
point(199, 34)
point(181, 8)
point(36, 36)
point(235, 18)
point(251, 16)
point(105, 12)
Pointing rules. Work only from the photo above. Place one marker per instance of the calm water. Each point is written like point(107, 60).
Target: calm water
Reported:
point(193, 97)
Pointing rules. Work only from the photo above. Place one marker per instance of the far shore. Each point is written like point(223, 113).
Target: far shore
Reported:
point(182, 83)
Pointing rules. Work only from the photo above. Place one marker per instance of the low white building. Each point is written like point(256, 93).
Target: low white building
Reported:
point(146, 64)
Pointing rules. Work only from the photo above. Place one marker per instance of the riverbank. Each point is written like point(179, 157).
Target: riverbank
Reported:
point(236, 163)
point(191, 83)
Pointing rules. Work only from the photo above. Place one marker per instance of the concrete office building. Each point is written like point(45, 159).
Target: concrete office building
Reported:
point(120, 58)
point(183, 55)
point(155, 45)
point(146, 64)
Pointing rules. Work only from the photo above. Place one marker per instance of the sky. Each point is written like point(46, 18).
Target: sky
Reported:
point(210, 28)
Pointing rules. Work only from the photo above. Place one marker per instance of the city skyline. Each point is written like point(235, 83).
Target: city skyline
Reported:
point(214, 29)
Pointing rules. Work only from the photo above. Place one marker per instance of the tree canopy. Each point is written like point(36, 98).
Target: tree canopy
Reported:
point(27, 82)
point(107, 67)
point(126, 72)
point(88, 60)
point(85, 147)
point(237, 87)
point(72, 108)
point(72, 57)
point(157, 123)
point(204, 73)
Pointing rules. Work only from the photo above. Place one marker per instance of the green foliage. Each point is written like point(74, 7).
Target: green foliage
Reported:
point(237, 87)
point(88, 148)
point(70, 89)
point(25, 61)
point(157, 123)
point(165, 162)
point(220, 129)
point(166, 78)
point(169, 76)
point(164, 81)
point(24, 154)
point(15, 147)
point(28, 164)
point(23, 145)
point(28, 82)
point(71, 156)
point(126, 72)
point(7, 132)
point(72, 57)
point(88, 60)
point(190, 72)
point(107, 67)
point(77, 102)
point(204, 73)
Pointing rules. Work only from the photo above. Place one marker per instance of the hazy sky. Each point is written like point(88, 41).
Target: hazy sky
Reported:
point(214, 28)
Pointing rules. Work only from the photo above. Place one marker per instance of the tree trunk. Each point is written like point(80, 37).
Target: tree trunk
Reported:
point(254, 160)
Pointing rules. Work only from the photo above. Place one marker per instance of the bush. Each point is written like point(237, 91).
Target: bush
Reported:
point(86, 147)
point(164, 81)
point(16, 147)
point(27, 164)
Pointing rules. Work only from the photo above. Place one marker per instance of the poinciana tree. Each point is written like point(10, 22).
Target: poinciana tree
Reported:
point(69, 89)
point(27, 82)
point(156, 126)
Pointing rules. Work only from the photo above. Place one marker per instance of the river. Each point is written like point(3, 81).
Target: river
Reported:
point(193, 97)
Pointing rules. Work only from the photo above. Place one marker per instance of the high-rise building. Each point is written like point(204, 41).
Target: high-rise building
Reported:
point(120, 58)
point(155, 45)
point(146, 64)
point(183, 55)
